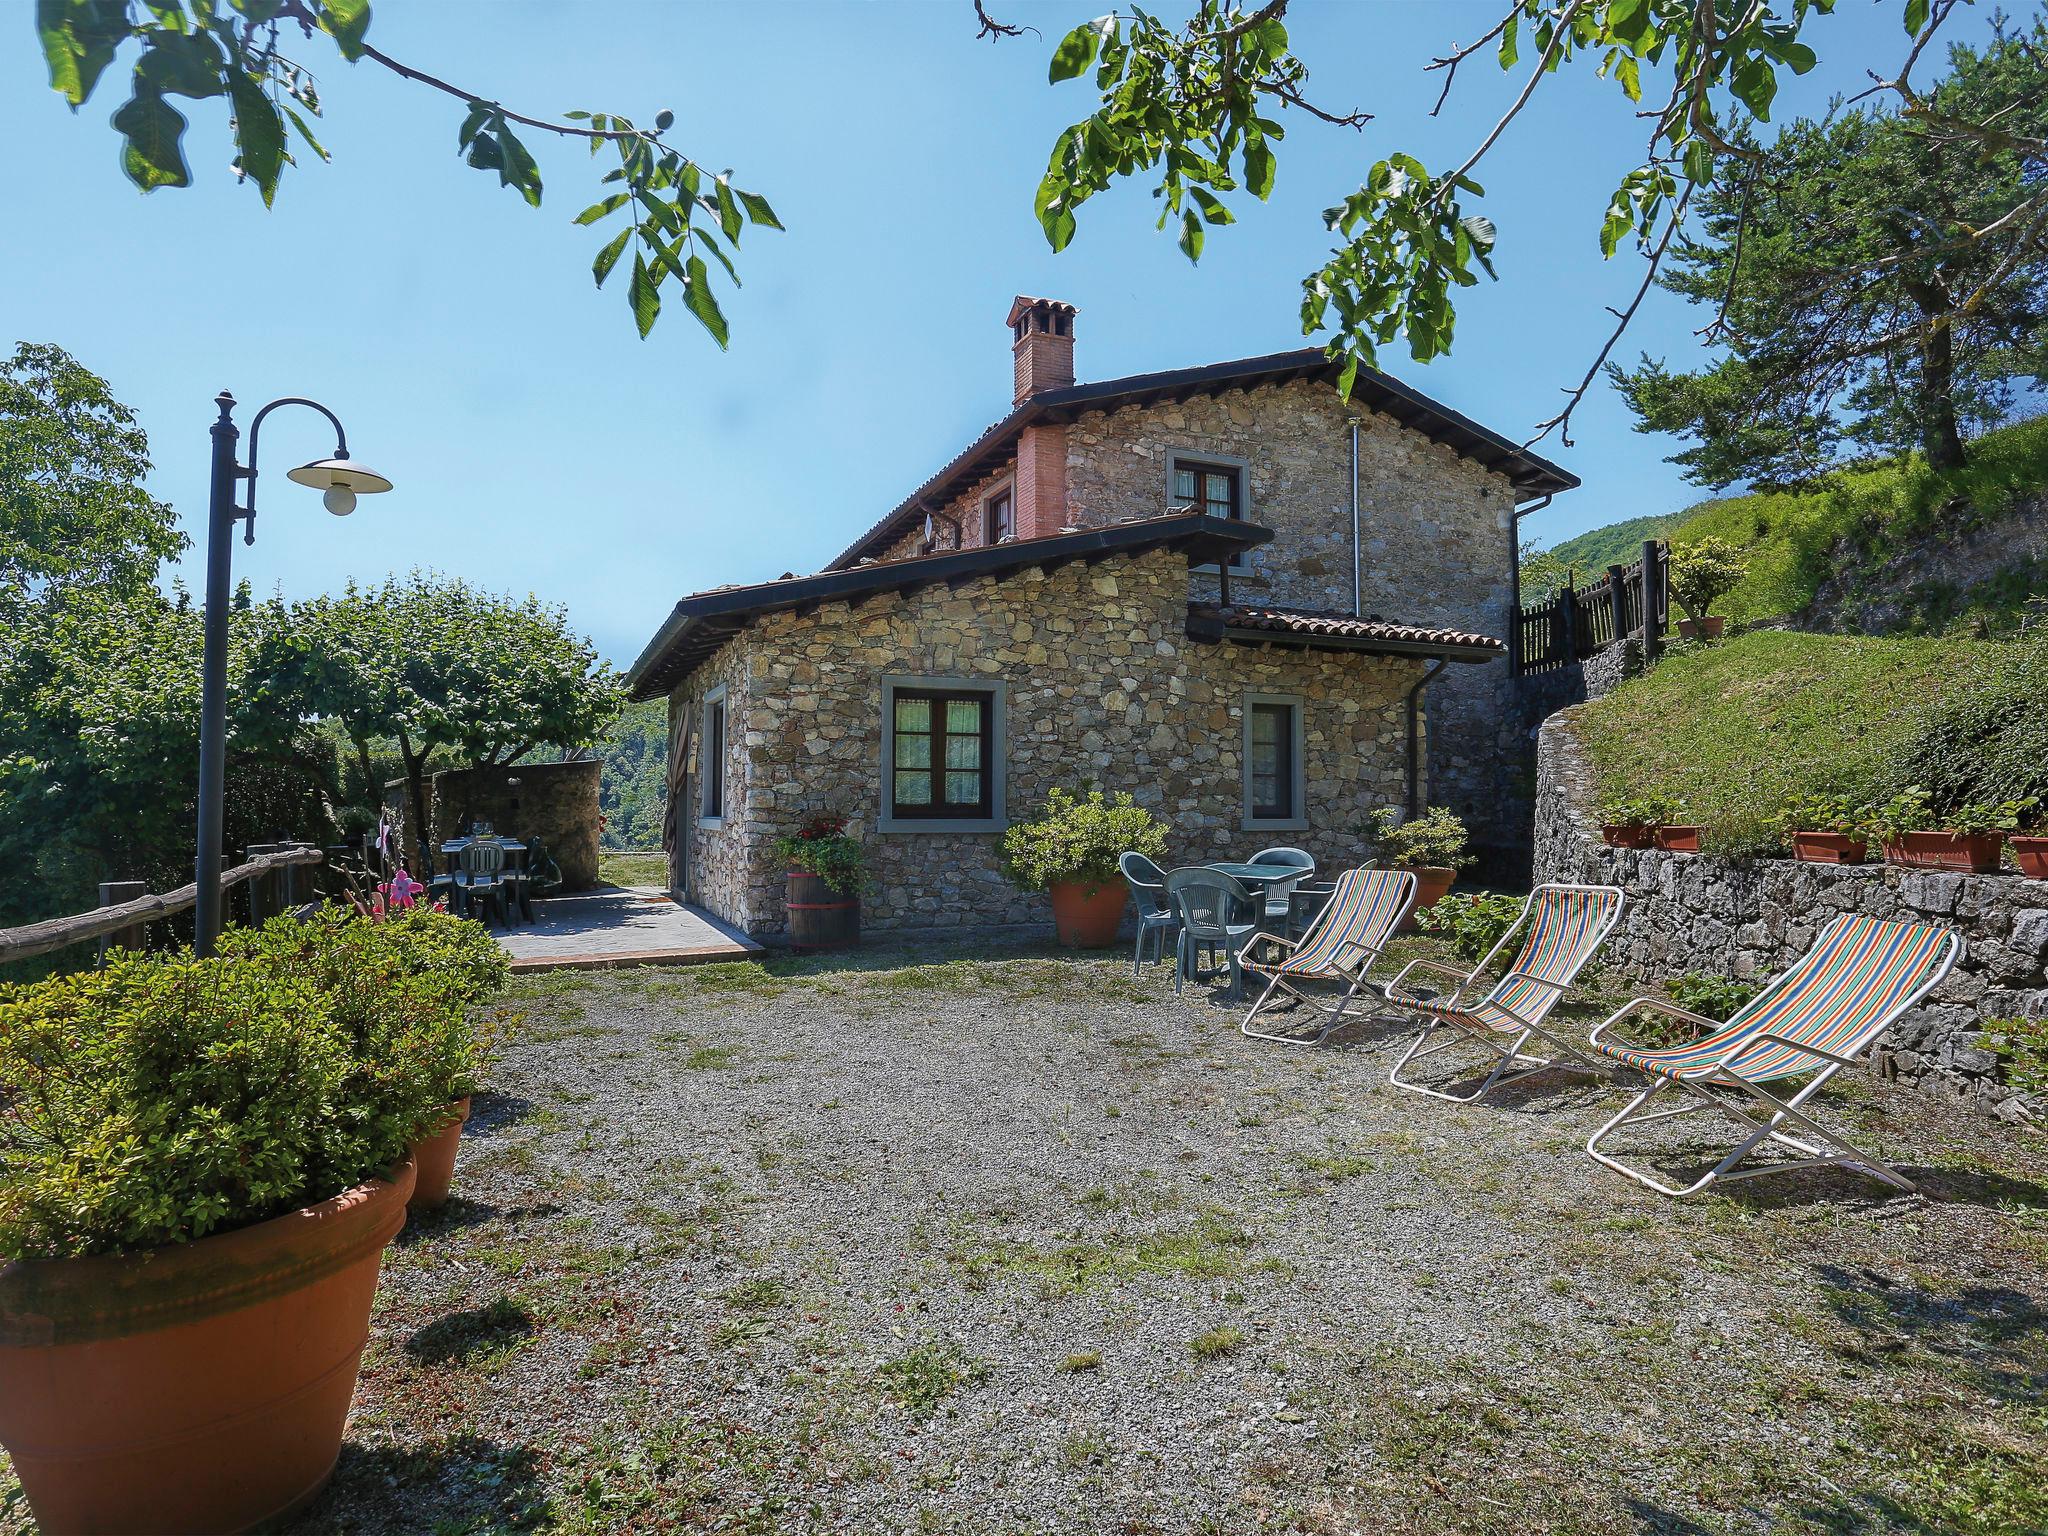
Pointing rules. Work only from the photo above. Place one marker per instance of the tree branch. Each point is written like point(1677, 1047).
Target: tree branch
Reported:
point(995, 31)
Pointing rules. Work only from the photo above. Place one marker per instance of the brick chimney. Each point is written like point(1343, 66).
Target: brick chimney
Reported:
point(1042, 342)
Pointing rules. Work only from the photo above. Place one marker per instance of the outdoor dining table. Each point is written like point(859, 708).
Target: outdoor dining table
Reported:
point(452, 849)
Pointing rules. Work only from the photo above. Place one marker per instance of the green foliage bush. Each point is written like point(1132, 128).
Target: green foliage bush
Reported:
point(1717, 997)
point(1473, 924)
point(1434, 840)
point(1988, 744)
point(1080, 837)
point(822, 847)
point(2021, 1046)
point(165, 1098)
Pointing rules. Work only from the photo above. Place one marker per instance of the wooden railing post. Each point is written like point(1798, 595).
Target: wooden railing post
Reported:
point(1568, 624)
point(1655, 603)
point(1617, 601)
point(112, 894)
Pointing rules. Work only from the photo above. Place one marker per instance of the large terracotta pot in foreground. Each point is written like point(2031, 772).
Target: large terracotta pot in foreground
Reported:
point(1086, 915)
point(435, 1160)
point(1432, 884)
point(198, 1388)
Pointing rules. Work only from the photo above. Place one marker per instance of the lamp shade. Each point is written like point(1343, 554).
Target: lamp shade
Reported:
point(339, 475)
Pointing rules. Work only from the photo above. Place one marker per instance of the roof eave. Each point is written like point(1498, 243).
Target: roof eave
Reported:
point(1203, 628)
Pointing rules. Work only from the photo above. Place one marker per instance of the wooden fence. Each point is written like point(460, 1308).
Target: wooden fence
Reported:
point(1576, 624)
point(123, 921)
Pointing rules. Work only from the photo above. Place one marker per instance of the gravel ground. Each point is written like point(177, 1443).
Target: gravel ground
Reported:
point(1021, 1245)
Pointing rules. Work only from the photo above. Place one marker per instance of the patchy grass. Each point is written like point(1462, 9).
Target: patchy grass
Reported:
point(633, 869)
point(480, 1338)
point(1216, 1342)
point(920, 1380)
point(1216, 1247)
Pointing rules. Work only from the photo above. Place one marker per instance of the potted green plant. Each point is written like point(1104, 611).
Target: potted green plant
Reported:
point(827, 869)
point(1628, 821)
point(2029, 845)
point(1070, 851)
point(1430, 846)
point(1967, 837)
point(1703, 571)
point(1823, 829)
point(205, 1161)
point(1673, 833)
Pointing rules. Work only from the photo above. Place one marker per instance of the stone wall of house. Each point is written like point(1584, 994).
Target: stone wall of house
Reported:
point(711, 861)
point(553, 802)
point(1751, 918)
point(1434, 548)
point(1102, 682)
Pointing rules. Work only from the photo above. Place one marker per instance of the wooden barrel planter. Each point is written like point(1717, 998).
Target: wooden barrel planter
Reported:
point(820, 918)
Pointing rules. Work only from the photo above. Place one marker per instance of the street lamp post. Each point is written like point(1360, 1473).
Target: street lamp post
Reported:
point(342, 479)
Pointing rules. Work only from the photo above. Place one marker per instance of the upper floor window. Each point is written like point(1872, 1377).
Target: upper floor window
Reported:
point(1211, 488)
point(999, 516)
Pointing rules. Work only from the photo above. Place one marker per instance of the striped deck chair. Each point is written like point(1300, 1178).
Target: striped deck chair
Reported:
point(1833, 1003)
point(1340, 947)
point(1563, 927)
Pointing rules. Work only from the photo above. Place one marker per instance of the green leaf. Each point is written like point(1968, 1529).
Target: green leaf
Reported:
point(1509, 53)
point(1258, 169)
point(259, 134)
point(758, 211)
point(609, 256)
point(518, 169)
point(1191, 235)
point(1075, 52)
point(79, 39)
point(703, 302)
point(1916, 15)
point(152, 128)
point(645, 295)
point(599, 210)
point(1699, 162)
point(346, 21)
point(306, 133)
point(179, 65)
point(728, 211)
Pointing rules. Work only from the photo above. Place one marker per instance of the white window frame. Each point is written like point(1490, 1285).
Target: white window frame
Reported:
point(710, 761)
point(1298, 710)
point(886, 819)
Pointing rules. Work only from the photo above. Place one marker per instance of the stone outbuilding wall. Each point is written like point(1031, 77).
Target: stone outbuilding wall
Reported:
point(555, 802)
point(1101, 682)
point(1750, 918)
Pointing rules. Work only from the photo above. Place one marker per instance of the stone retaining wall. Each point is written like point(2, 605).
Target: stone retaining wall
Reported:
point(1750, 918)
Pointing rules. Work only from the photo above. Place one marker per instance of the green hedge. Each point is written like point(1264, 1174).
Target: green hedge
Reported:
point(164, 1098)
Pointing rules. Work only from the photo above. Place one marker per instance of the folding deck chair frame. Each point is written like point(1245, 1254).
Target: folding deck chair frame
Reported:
point(1534, 996)
point(1762, 1113)
point(1341, 945)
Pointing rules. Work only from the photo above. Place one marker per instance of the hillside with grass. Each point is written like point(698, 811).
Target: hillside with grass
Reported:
point(1889, 547)
point(1737, 731)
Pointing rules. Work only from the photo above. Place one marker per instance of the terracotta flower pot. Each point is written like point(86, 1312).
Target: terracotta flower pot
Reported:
point(1627, 835)
point(2031, 854)
point(1975, 853)
point(1708, 628)
point(196, 1388)
point(1086, 915)
point(1828, 848)
point(1677, 839)
point(435, 1159)
point(1432, 884)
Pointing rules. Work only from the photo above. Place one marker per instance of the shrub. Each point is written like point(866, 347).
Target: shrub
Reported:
point(1080, 838)
point(1717, 997)
point(1988, 744)
point(1640, 811)
point(165, 1098)
point(1473, 924)
point(1435, 839)
point(2021, 1046)
point(1823, 813)
point(822, 847)
point(1703, 571)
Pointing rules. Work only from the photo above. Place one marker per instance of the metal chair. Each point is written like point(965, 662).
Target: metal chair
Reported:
point(1217, 911)
point(1279, 904)
point(481, 878)
point(1156, 917)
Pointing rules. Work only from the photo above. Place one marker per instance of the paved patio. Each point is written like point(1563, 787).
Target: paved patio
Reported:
point(621, 925)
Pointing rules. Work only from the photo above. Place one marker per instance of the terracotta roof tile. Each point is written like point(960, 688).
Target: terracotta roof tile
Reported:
point(1338, 625)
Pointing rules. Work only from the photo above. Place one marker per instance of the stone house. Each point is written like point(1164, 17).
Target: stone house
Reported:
point(1262, 609)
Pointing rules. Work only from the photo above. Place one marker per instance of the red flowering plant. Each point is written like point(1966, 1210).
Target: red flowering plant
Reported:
point(823, 847)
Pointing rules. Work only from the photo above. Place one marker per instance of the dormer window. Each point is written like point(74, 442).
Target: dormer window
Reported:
point(999, 517)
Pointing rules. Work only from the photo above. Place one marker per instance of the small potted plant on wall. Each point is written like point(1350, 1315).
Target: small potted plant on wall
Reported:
point(2029, 845)
point(1630, 821)
point(1966, 838)
point(827, 868)
point(1070, 851)
point(1430, 846)
point(1703, 572)
point(1822, 829)
point(1673, 833)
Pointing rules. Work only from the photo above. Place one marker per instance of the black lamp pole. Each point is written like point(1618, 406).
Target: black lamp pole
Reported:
point(222, 514)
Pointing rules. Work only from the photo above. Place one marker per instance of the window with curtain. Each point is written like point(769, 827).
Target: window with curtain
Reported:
point(1000, 516)
point(1211, 488)
point(940, 753)
point(1271, 766)
point(712, 756)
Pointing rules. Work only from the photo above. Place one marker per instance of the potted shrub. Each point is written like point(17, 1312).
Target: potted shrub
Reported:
point(1967, 838)
point(1672, 834)
point(1703, 572)
point(205, 1161)
point(822, 892)
point(1822, 829)
point(1430, 846)
point(2029, 845)
point(1627, 822)
point(1071, 850)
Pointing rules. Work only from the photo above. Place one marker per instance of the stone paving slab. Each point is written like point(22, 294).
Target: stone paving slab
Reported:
point(618, 926)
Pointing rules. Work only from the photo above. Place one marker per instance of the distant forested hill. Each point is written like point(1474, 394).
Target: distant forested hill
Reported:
point(635, 783)
point(1617, 543)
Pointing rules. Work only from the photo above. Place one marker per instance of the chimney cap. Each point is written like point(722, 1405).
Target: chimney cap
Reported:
point(1023, 304)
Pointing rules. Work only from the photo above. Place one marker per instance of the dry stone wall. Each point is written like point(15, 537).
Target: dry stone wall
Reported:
point(1750, 918)
point(1101, 682)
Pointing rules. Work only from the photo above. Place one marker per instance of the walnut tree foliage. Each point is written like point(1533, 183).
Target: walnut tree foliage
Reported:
point(1856, 294)
point(679, 218)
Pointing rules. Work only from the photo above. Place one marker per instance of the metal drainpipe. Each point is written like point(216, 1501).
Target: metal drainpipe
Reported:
point(1515, 516)
point(1357, 550)
point(1414, 793)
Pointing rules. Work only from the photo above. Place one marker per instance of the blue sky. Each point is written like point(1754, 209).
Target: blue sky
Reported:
point(538, 444)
